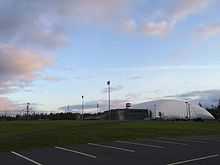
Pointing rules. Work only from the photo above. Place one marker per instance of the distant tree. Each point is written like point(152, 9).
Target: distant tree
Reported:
point(218, 109)
point(160, 114)
point(200, 104)
point(150, 114)
point(215, 110)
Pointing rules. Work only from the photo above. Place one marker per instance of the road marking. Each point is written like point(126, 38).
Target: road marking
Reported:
point(26, 158)
point(112, 147)
point(76, 152)
point(139, 144)
point(216, 140)
point(192, 160)
point(184, 140)
point(168, 142)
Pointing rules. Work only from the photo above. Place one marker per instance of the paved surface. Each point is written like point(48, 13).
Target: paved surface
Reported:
point(188, 150)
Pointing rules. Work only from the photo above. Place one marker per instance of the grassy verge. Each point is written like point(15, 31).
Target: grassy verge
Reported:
point(16, 135)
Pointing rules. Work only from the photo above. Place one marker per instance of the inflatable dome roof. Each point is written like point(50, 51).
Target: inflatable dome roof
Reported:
point(175, 109)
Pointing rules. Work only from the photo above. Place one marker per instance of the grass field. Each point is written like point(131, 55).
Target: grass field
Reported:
point(17, 135)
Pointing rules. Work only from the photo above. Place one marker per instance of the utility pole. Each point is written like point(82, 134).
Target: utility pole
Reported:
point(155, 113)
point(186, 109)
point(109, 106)
point(189, 111)
point(82, 106)
point(28, 109)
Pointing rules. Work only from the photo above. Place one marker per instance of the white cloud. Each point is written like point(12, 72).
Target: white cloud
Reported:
point(45, 23)
point(15, 107)
point(20, 65)
point(30, 23)
point(133, 96)
point(4, 102)
point(173, 13)
point(7, 105)
point(135, 77)
point(7, 90)
point(113, 89)
point(129, 25)
point(209, 30)
point(206, 98)
point(92, 105)
point(6, 84)
point(182, 8)
point(52, 78)
point(157, 28)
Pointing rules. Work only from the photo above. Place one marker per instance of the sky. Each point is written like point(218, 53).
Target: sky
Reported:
point(52, 52)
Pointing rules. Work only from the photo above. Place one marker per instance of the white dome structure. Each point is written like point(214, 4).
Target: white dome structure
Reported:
point(174, 109)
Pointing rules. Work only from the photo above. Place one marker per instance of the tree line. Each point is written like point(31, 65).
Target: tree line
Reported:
point(214, 110)
point(51, 116)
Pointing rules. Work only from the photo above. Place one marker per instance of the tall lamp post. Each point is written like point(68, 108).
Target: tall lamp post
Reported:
point(188, 113)
point(186, 109)
point(28, 108)
point(82, 106)
point(155, 112)
point(109, 106)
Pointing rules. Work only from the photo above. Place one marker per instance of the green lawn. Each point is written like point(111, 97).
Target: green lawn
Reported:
point(16, 135)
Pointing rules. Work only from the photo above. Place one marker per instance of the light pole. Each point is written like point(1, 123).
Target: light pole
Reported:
point(186, 109)
point(155, 112)
point(109, 106)
point(82, 106)
point(189, 111)
point(27, 108)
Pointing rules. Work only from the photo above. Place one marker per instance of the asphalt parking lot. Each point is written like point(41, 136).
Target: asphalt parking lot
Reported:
point(185, 150)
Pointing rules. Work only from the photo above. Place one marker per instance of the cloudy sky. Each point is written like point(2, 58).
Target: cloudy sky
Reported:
point(54, 51)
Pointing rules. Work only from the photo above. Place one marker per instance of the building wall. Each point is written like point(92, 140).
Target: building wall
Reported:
point(128, 114)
